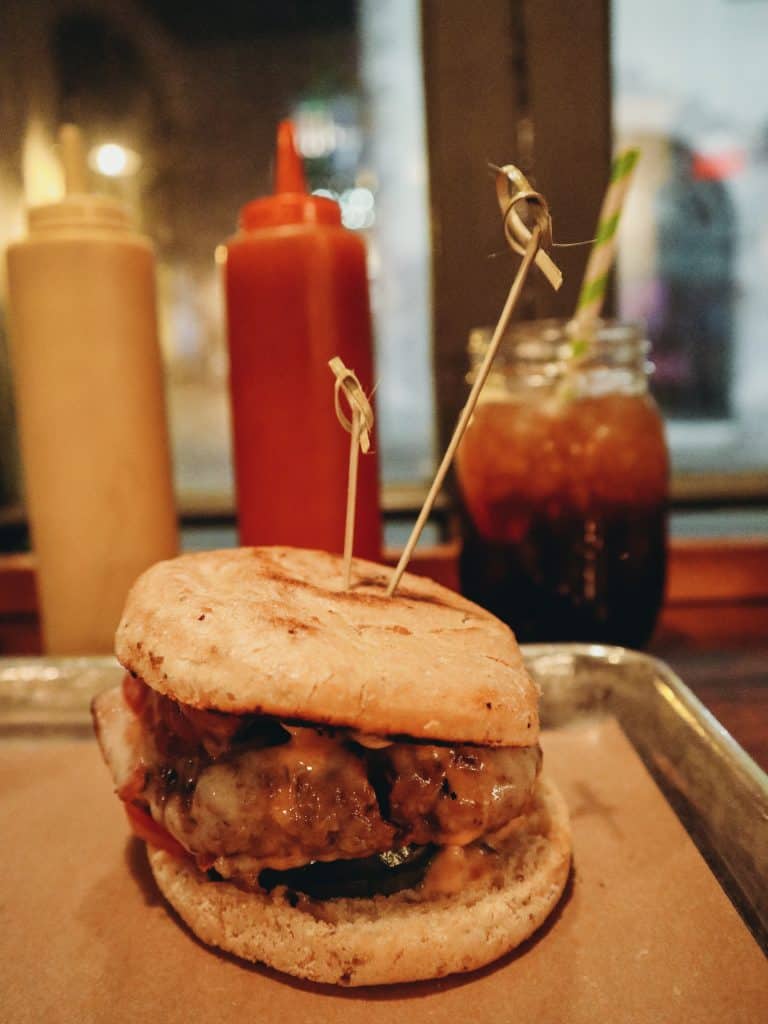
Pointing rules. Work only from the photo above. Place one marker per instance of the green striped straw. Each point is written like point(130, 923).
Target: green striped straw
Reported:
point(603, 253)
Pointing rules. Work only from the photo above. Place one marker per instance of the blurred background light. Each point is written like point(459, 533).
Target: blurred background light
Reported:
point(114, 160)
point(357, 208)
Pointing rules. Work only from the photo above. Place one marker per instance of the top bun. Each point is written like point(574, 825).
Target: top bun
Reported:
point(271, 630)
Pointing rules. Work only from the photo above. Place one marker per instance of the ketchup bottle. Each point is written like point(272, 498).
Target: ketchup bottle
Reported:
point(297, 295)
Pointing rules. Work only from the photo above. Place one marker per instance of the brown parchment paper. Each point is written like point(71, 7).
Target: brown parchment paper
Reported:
point(644, 933)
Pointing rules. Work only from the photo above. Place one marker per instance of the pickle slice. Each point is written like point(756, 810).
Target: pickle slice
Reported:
point(383, 874)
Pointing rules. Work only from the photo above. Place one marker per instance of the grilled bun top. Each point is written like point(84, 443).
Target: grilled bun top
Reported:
point(272, 631)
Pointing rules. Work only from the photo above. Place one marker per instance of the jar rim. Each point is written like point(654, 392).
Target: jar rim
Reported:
point(549, 340)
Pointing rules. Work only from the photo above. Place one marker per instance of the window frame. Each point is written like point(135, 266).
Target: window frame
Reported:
point(527, 82)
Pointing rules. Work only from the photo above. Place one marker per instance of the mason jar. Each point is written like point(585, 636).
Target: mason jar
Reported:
point(563, 472)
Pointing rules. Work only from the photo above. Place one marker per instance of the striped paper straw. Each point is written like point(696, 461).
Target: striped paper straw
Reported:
point(603, 254)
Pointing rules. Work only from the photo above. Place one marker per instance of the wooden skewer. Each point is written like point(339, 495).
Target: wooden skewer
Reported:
point(349, 526)
point(531, 248)
point(359, 427)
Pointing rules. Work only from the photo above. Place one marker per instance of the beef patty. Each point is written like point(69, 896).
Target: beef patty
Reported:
point(245, 792)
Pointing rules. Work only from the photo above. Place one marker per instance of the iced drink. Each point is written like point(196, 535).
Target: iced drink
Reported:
point(565, 512)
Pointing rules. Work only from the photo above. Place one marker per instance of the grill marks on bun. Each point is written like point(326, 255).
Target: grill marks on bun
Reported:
point(271, 630)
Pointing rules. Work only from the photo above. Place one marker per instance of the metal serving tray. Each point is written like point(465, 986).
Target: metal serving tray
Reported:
point(717, 791)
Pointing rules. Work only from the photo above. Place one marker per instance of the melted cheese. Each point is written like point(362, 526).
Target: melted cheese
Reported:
point(454, 868)
point(254, 794)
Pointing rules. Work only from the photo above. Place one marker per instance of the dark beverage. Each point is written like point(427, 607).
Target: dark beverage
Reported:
point(565, 514)
point(599, 580)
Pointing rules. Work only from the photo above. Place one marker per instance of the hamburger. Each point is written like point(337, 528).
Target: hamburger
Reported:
point(342, 785)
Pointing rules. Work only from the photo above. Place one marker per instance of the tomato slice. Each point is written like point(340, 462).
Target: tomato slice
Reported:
point(147, 828)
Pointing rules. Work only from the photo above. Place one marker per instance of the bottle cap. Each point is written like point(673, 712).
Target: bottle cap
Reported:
point(290, 202)
point(79, 206)
point(80, 211)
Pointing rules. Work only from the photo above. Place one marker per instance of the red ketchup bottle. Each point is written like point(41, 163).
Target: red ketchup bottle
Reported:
point(297, 295)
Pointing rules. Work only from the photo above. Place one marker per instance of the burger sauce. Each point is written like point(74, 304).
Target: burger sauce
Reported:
point(296, 295)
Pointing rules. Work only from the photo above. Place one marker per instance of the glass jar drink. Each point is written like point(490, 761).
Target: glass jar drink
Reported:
point(563, 472)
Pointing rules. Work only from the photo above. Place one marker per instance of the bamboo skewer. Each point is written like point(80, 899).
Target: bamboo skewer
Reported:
point(359, 426)
point(529, 244)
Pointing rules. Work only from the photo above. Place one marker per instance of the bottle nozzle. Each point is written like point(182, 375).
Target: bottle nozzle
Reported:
point(289, 170)
point(73, 160)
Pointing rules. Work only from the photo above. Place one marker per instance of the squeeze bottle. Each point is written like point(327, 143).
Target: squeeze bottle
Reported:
point(296, 292)
point(89, 395)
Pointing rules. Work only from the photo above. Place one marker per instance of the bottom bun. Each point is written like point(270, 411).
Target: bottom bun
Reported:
point(388, 938)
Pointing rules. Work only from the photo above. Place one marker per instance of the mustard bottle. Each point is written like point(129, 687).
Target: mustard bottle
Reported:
point(89, 394)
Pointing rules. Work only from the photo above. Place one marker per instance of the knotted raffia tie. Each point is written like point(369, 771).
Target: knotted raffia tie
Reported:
point(359, 427)
point(349, 386)
point(512, 189)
